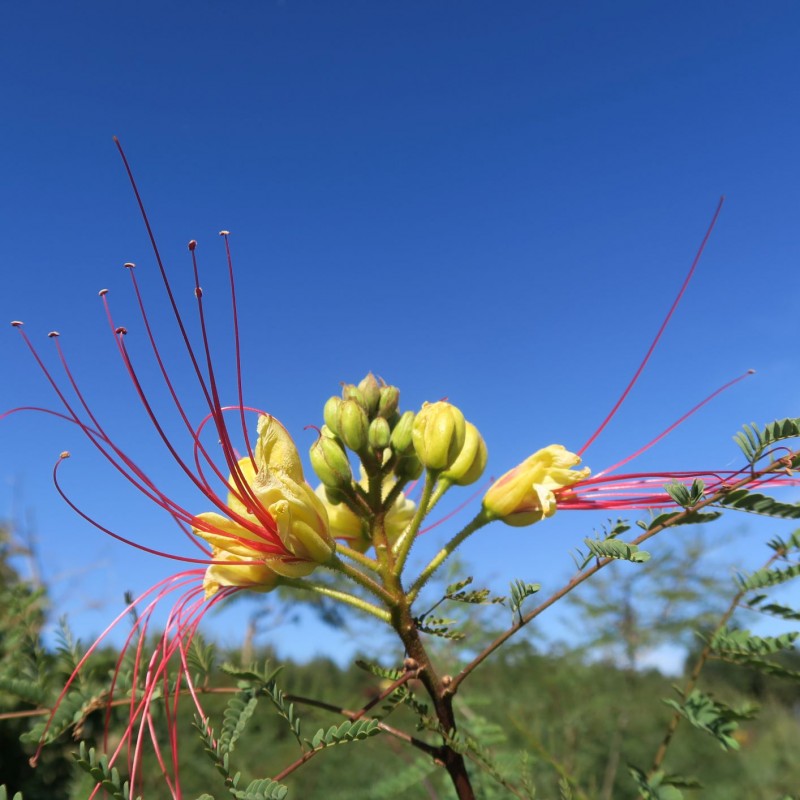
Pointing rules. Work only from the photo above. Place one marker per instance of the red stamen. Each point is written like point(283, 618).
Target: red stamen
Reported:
point(658, 335)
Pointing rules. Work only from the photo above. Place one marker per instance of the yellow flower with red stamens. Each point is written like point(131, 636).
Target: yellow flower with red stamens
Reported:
point(277, 525)
point(525, 494)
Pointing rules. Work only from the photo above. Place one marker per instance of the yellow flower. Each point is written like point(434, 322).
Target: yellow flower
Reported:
point(525, 494)
point(274, 519)
point(346, 524)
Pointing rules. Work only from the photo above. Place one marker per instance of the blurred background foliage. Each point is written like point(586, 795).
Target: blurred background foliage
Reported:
point(548, 715)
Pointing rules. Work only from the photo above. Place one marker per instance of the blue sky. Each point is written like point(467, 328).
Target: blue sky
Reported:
point(493, 202)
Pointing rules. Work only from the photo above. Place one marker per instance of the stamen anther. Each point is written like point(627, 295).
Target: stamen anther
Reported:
point(65, 454)
point(53, 334)
point(121, 331)
point(224, 233)
point(16, 323)
point(102, 293)
point(129, 265)
point(192, 244)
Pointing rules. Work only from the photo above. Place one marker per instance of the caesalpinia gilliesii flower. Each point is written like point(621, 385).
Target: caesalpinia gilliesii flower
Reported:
point(274, 476)
point(526, 494)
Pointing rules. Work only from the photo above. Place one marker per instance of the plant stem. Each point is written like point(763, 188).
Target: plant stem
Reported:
point(357, 576)
point(578, 579)
point(342, 597)
point(403, 545)
point(453, 761)
point(478, 522)
point(691, 682)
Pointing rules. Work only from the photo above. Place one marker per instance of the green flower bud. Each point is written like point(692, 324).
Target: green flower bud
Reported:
point(389, 400)
point(330, 463)
point(438, 434)
point(379, 433)
point(353, 424)
point(408, 468)
point(371, 391)
point(471, 461)
point(352, 392)
point(401, 435)
point(333, 496)
point(330, 413)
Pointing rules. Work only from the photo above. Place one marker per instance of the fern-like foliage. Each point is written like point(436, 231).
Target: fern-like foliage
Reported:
point(741, 644)
point(263, 789)
point(675, 518)
point(614, 548)
point(385, 673)
point(755, 441)
point(763, 578)
point(103, 775)
point(688, 497)
point(284, 709)
point(201, 658)
point(519, 592)
point(343, 734)
point(455, 592)
point(757, 503)
point(237, 714)
point(661, 786)
point(4, 794)
point(715, 718)
point(438, 626)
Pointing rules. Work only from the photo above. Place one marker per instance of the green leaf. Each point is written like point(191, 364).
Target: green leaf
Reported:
point(757, 503)
point(683, 496)
point(264, 789)
point(755, 441)
point(657, 787)
point(614, 548)
point(346, 732)
point(713, 717)
point(742, 643)
point(769, 577)
point(519, 591)
point(378, 671)
point(238, 712)
point(103, 775)
point(692, 518)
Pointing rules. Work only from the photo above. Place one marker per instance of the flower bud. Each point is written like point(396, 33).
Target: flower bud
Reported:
point(525, 494)
point(379, 433)
point(371, 392)
point(438, 434)
point(330, 413)
point(353, 424)
point(471, 461)
point(330, 463)
point(352, 392)
point(389, 400)
point(408, 468)
point(401, 435)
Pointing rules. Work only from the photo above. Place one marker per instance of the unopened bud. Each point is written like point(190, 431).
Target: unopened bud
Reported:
point(471, 461)
point(379, 433)
point(353, 424)
point(401, 435)
point(330, 463)
point(330, 413)
point(438, 434)
point(408, 468)
point(371, 392)
point(389, 400)
point(352, 392)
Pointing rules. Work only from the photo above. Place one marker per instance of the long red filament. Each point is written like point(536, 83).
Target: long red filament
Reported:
point(658, 335)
